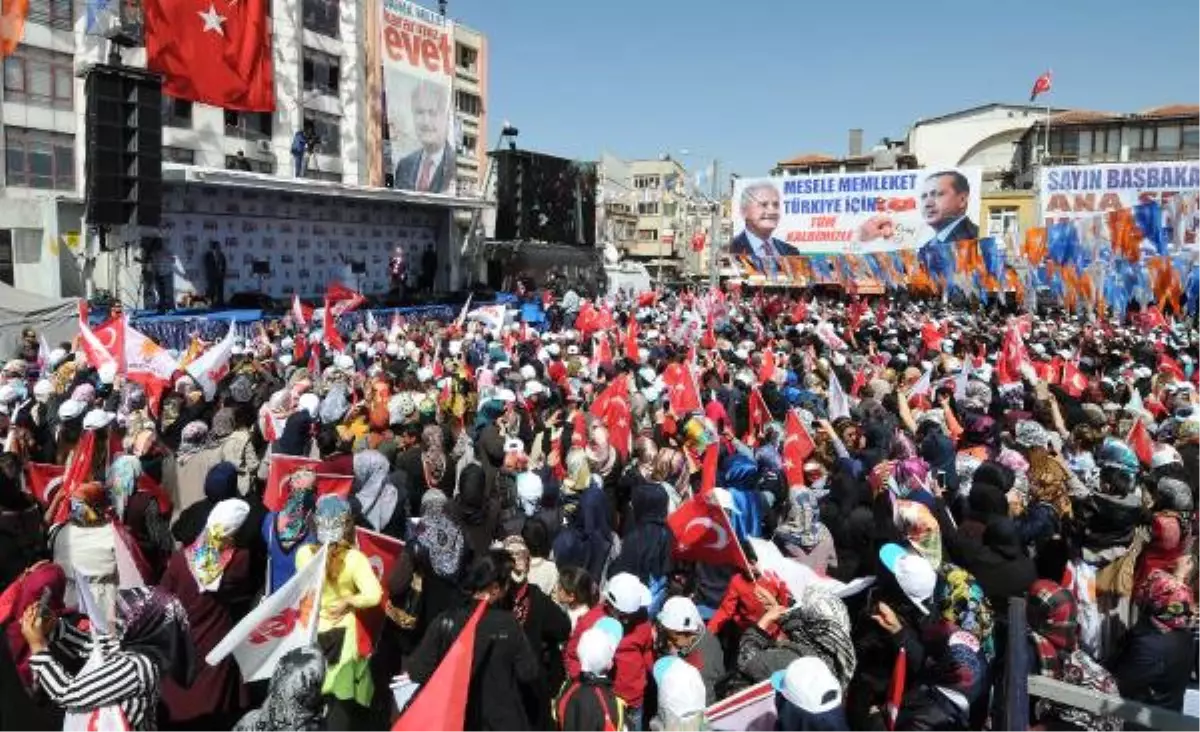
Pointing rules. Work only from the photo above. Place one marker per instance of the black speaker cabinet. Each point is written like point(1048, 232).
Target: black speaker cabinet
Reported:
point(123, 179)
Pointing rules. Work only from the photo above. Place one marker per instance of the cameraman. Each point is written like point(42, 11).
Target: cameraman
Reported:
point(304, 144)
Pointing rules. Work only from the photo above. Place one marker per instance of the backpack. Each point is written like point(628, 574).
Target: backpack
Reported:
point(560, 707)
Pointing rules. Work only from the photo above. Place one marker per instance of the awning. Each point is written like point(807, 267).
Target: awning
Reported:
point(174, 173)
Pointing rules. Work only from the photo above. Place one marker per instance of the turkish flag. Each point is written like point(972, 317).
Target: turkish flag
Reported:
point(1012, 357)
point(343, 299)
point(78, 472)
point(708, 468)
point(682, 393)
point(767, 371)
point(709, 340)
point(38, 477)
point(1073, 379)
point(612, 408)
point(329, 331)
point(895, 690)
point(703, 534)
point(281, 467)
point(648, 299)
point(442, 702)
point(212, 51)
point(1041, 85)
point(1139, 440)
point(604, 352)
point(631, 341)
point(797, 446)
point(758, 415)
point(1168, 365)
point(147, 484)
point(381, 552)
point(587, 319)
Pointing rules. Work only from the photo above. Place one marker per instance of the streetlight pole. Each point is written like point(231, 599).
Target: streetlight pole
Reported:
point(714, 278)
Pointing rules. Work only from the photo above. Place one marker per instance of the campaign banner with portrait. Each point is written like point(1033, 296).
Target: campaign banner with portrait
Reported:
point(1078, 192)
point(419, 141)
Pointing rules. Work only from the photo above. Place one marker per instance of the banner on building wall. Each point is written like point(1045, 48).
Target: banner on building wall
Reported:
point(417, 51)
point(1088, 192)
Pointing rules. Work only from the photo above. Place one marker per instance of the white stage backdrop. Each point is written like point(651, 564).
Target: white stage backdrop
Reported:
point(308, 241)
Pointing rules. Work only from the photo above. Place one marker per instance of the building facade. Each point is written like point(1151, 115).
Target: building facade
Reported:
point(318, 48)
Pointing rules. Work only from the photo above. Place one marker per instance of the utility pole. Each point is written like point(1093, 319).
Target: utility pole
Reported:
point(714, 231)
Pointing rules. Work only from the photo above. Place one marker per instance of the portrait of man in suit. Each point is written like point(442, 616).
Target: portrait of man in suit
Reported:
point(429, 169)
point(760, 208)
point(944, 199)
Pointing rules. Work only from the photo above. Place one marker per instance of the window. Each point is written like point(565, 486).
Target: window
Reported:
point(321, 16)
point(1191, 137)
point(467, 103)
point(37, 159)
point(645, 181)
point(1168, 138)
point(648, 208)
point(468, 144)
point(1002, 225)
point(6, 257)
point(176, 112)
point(1064, 143)
point(647, 234)
point(1146, 140)
point(329, 132)
point(41, 77)
point(248, 125)
point(58, 14)
point(467, 58)
point(669, 209)
point(181, 155)
point(256, 166)
point(322, 72)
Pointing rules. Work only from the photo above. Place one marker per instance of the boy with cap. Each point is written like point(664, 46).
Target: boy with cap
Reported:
point(683, 635)
point(681, 701)
point(808, 697)
point(624, 599)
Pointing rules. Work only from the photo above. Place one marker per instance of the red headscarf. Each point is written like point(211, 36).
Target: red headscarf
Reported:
point(25, 591)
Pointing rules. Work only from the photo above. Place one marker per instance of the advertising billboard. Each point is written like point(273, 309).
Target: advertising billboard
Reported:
point(779, 223)
point(1075, 192)
point(418, 69)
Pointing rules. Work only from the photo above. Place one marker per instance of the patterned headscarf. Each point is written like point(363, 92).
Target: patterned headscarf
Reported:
point(152, 622)
point(212, 551)
point(960, 600)
point(1053, 623)
point(123, 476)
point(443, 540)
point(193, 437)
point(88, 504)
point(1167, 600)
point(1048, 481)
point(294, 699)
point(917, 524)
point(333, 519)
point(294, 516)
point(819, 626)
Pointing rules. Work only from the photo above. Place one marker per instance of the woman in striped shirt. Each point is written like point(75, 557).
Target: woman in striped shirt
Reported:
point(151, 641)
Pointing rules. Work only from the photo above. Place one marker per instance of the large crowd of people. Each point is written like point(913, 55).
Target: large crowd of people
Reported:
point(887, 479)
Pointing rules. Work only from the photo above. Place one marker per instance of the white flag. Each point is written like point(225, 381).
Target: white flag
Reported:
point(146, 356)
point(372, 326)
point(923, 385)
point(88, 605)
point(961, 380)
point(462, 315)
point(839, 404)
point(492, 317)
point(286, 619)
point(212, 365)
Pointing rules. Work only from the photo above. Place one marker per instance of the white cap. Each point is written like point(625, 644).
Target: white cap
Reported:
point(808, 684)
point(7, 394)
point(455, 348)
point(43, 388)
point(392, 349)
point(572, 350)
point(361, 347)
point(528, 372)
point(553, 349)
point(680, 615)
point(97, 419)
point(310, 403)
point(107, 372)
point(595, 650)
point(234, 350)
point(424, 374)
point(680, 688)
point(70, 409)
point(285, 360)
point(913, 573)
point(514, 445)
point(343, 362)
point(287, 342)
point(1164, 455)
point(533, 388)
point(725, 500)
point(57, 356)
point(626, 593)
point(504, 395)
point(501, 366)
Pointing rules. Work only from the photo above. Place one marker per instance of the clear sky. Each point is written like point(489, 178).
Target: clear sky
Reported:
point(755, 81)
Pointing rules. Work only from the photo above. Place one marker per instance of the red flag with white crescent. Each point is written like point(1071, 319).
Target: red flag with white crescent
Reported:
point(703, 533)
point(797, 446)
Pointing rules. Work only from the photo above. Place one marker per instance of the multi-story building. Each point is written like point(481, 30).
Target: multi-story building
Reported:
point(660, 196)
point(318, 48)
point(888, 154)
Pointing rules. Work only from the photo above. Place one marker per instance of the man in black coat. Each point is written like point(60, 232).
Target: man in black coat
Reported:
point(214, 273)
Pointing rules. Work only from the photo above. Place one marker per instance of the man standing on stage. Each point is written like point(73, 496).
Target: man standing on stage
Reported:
point(214, 273)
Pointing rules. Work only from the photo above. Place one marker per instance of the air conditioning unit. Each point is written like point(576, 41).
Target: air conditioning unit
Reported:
point(263, 146)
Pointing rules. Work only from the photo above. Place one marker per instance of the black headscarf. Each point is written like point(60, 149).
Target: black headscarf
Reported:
point(474, 511)
point(646, 549)
point(219, 484)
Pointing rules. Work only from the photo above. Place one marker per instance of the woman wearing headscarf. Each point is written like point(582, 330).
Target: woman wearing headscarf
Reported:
point(646, 549)
point(289, 528)
point(1159, 653)
point(296, 438)
point(22, 533)
point(475, 511)
point(1048, 513)
point(86, 545)
point(220, 484)
point(194, 458)
point(22, 706)
point(238, 447)
point(422, 467)
point(1171, 528)
point(818, 625)
point(376, 503)
point(802, 536)
point(140, 513)
point(586, 540)
point(213, 581)
point(294, 700)
point(350, 587)
point(1054, 635)
point(151, 643)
